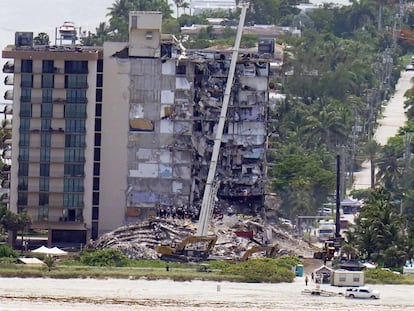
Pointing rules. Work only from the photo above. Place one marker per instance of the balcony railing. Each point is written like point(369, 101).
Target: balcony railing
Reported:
point(8, 67)
point(8, 80)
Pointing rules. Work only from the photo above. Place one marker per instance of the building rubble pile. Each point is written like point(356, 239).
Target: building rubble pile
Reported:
point(138, 241)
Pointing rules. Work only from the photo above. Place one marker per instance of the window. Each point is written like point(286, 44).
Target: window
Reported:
point(23, 183)
point(25, 109)
point(48, 80)
point(76, 96)
point(44, 170)
point(75, 140)
point(75, 126)
point(99, 80)
point(45, 155)
point(75, 111)
point(76, 67)
point(45, 139)
point(99, 67)
point(95, 201)
point(48, 66)
point(98, 111)
point(76, 81)
point(23, 169)
point(134, 21)
point(97, 140)
point(98, 96)
point(73, 185)
point(27, 65)
point(97, 154)
point(46, 124)
point(74, 170)
point(72, 199)
point(96, 169)
point(24, 123)
point(43, 199)
point(24, 153)
point(95, 209)
point(24, 140)
point(27, 80)
point(44, 183)
point(47, 95)
point(74, 155)
point(22, 198)
point(98, 127)
point(47, 110)
point(43, 213)
point(96, 184)
point(26, 95)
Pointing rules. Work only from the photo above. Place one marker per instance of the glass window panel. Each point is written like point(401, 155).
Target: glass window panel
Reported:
point(44, 183)
point(48, 80)
point(27, 65)
point(48, 66)
point(27, 80)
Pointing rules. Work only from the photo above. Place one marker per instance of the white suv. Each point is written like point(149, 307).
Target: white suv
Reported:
point(362, 292)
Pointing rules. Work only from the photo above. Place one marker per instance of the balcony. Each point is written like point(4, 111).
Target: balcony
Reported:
point(8, 109)
point(7, 154)
point(5, 184)
point(8, 95)
point(9, 80)
point(6, 169)
point(8, 67)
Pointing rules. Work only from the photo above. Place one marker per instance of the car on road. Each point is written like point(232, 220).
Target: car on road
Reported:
point(409, 67)
point(362, 292)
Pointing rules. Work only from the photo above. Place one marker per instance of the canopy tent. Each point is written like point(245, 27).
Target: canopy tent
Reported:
point(55, 251)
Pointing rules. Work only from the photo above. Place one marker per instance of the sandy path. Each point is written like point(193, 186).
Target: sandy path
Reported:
point(114, 294)
point(393, 118)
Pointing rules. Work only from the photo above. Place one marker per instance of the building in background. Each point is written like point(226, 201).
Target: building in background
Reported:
point(110, 135)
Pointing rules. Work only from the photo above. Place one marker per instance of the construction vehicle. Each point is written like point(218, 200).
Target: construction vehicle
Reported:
point(197, 247)
point(328, 251)
point(271, 251)
point(191, 249)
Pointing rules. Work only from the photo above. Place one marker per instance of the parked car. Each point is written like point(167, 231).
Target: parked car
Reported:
point(362, 292)
point(409, 67)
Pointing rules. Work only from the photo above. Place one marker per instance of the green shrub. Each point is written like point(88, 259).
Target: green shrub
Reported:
point(7, 251)
point(104, 258)
point(383, 276)
point(261, 270)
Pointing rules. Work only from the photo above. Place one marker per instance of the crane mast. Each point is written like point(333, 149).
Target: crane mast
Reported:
point(211, 187)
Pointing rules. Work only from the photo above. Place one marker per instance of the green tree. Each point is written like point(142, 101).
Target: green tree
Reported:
point(379, 230)
point(41, 39)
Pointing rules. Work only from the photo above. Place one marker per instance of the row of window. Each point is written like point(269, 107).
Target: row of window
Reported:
point(72, 66)
point(69, 199)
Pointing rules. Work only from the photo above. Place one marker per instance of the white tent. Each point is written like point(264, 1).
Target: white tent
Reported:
point(55, 251)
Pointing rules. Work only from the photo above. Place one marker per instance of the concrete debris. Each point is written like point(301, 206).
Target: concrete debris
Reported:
point(235, 235)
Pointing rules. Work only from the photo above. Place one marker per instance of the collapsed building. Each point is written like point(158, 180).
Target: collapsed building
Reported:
point(126, 130)
point(174, 160)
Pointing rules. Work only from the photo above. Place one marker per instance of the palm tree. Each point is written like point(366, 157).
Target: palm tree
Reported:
point(372, 150)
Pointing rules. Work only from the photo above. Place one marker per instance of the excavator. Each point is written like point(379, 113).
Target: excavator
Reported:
point(197, 248)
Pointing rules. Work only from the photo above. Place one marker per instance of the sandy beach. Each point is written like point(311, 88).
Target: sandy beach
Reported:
point(120, 294)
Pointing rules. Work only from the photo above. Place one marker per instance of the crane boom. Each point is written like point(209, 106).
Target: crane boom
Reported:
point(207, 204)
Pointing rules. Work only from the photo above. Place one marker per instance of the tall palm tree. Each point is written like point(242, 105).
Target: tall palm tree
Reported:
point(372, 150)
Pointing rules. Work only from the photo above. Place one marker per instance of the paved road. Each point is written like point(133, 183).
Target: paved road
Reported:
point(393, 118)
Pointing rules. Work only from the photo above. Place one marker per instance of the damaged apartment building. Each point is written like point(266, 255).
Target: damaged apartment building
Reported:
point(104, 136)
point(175, 99)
